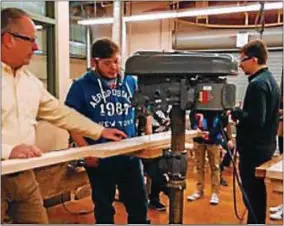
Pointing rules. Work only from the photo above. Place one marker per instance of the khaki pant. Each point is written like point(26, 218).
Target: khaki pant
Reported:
point(214, 161)
point(21, 201)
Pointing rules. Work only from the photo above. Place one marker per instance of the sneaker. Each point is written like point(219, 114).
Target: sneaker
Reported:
point(275, 208)
point(157, 206)
point(277, 216)
point(223, 182)
point(214, 199)
point(195, 196)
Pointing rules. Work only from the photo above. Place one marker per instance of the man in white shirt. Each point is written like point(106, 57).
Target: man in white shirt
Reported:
point(24, 99)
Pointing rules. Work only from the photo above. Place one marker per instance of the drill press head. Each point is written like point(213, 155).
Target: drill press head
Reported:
point(187, 79)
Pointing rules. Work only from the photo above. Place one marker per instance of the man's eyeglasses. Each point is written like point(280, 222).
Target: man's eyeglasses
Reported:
point(244, 59)
point(23, 37)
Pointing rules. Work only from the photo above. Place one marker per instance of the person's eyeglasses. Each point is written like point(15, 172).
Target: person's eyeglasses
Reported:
point(23, 37)
point(244, 59)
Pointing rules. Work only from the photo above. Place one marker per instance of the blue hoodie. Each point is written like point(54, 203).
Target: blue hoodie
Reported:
point(208, 121)
point(110, 107)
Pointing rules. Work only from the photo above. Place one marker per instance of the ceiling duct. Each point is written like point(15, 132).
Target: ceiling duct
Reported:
point(223, 38)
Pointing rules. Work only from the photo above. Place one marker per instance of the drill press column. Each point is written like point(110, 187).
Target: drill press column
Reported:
point(177, 184)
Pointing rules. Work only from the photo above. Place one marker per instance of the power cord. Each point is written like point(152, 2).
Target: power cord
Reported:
point(236, 178)
point(260, 19)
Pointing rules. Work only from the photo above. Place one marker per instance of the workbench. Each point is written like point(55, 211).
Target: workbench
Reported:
point(272, 171)
point(52, 171)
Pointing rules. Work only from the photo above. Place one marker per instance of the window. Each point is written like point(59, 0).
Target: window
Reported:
point(42, 65)
point(37, 7)
point(78, 40)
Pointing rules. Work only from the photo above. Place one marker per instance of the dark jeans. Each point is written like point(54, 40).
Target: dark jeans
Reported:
point(158, 180)
point(125, 173)
point(255, 190)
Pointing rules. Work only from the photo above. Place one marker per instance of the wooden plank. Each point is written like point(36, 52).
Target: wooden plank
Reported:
point(261, 170)
point(51, 158)
point(105, 150)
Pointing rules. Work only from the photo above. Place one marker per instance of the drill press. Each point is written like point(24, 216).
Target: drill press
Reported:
point(183, 80)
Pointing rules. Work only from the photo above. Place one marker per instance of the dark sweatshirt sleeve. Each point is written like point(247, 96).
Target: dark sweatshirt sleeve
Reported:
point(255, 113)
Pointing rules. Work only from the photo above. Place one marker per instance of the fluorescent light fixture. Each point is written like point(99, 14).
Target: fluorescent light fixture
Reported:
point(38, 27)
point(78, 44)
point(145, 17)
point(106, 20)
point(226, 10)
point(187, 13)
point(274, 5)
point(38, 51)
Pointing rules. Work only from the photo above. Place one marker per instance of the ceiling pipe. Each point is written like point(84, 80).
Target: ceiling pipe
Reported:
point(222, 38)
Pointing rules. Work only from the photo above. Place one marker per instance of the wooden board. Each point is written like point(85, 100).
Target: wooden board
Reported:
point(105, 150)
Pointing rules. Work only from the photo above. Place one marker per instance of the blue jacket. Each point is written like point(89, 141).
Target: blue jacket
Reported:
point(208, 121)
point(112, 108)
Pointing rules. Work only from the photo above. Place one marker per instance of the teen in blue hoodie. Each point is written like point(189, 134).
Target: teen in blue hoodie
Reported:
point(105, 97)
point(210, 123)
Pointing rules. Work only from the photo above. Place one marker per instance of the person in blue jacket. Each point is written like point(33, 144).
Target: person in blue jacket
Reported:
point(210, 123)
point(104, 96)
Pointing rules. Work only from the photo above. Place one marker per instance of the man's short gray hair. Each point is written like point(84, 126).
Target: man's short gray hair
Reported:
point(9, 17)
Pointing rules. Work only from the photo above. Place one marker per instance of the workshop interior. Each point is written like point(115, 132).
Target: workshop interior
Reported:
point(187, 95)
